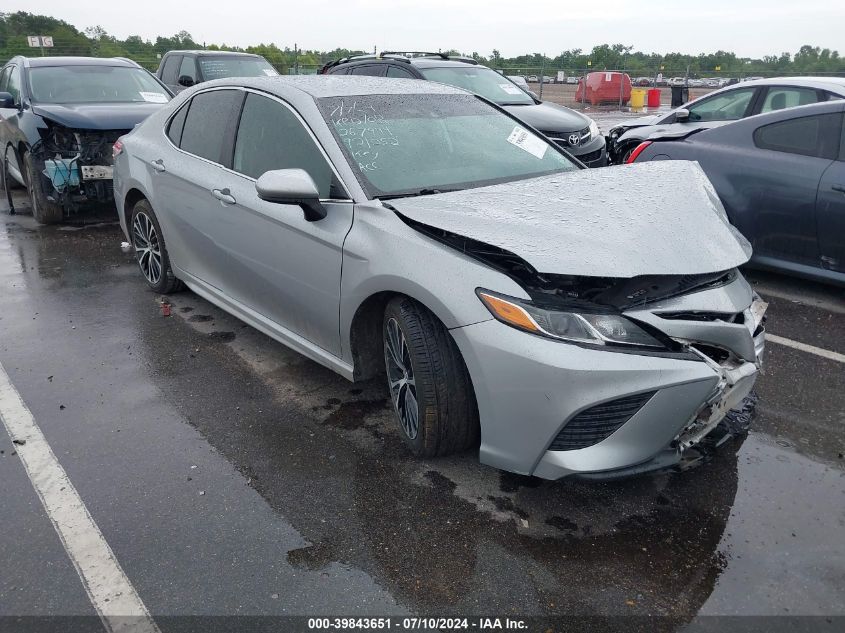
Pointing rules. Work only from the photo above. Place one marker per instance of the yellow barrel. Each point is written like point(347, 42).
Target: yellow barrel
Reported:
point(638, 98)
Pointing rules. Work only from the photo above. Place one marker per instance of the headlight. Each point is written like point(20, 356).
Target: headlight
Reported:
point(579, 327)
point(594, 129)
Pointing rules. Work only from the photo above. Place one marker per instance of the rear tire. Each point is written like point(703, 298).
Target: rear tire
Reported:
point(150, 251)
point(43, 210)
point(429, 383)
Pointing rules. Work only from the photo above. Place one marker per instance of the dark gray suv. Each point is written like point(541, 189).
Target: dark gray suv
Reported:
point(571, 130)
point(183, 69)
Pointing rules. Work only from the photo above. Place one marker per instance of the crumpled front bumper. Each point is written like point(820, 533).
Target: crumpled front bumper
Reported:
point(529, 388)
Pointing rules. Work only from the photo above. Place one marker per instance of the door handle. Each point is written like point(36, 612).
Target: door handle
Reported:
point(839, 188)
point(158, 165)
point(224, 195)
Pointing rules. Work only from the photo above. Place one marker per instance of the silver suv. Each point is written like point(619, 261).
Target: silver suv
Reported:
point(411, 229)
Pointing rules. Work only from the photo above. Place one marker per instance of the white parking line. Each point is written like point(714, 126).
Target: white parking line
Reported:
point(107, 586)
point(811, 349)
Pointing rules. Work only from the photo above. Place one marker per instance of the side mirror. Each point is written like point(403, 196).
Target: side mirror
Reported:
point(185, 80)
point(292, 186)
point(7, 100)
point(681, 115)
point(533, 95)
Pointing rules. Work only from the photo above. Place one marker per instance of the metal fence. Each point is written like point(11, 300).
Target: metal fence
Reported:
point(558, 85)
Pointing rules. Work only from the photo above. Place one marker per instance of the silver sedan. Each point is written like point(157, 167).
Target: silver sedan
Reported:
point(513, 301)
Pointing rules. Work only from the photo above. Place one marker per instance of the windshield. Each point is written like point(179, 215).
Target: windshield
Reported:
point(482, 81)
point(415, 144)
point(94, 84)
point(220, 67)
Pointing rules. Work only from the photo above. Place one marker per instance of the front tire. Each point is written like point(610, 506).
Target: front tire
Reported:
point(150, 251)
point(6, 181)
point(429, 383)
point(626, 151)
point(44, 210)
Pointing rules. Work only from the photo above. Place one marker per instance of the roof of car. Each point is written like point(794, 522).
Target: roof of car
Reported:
point(203, 53)
point(431, 60)
point(813, 82)
point(338, 85)
point(35, 62)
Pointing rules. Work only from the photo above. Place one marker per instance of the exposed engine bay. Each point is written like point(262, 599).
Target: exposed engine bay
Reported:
point(75, 165)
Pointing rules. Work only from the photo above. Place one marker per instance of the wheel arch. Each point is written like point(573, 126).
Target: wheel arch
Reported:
point(365, 329)
point(132, 197)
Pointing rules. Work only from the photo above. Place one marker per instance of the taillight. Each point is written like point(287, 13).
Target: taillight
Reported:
point(637, 151)
point(116, 148)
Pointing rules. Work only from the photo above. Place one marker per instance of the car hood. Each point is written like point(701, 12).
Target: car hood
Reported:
point(97, 116)
point(679, 130)
point(660, 218)
point(641, 121)
point(549, 117)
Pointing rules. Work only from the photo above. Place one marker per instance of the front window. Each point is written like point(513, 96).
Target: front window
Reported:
point(728, 106)
point(482, 81)
point(94, 84)
point(416, 144)
point(235, 66)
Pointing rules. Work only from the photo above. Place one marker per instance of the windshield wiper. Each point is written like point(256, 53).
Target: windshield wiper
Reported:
point(411, 194)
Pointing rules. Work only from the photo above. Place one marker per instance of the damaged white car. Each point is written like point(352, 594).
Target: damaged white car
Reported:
point(512, 300)
point(60, 118)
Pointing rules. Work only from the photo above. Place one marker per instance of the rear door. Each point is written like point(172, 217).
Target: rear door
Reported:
point(189, 180)
point(830, 211)
point(782, 182)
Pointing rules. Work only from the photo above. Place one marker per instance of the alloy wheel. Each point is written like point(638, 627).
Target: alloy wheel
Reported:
point(400, 376)
point(147, 248)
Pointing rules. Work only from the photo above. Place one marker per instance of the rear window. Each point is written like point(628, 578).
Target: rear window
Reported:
point(808, 136)
point(209, 115)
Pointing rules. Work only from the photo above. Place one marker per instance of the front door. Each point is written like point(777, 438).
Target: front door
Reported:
point(287, 268)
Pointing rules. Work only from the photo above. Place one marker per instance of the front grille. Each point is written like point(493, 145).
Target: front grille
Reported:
point(562, 138)
point(589, 158)
point(726, 317)
point(595, 424)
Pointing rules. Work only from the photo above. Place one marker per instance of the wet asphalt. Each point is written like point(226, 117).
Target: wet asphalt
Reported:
point(231, 476)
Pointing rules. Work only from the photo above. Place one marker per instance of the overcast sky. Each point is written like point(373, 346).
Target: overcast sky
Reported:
point(751, 28)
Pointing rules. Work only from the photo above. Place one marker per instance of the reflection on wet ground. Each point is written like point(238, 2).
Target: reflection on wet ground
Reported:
point(449, 535)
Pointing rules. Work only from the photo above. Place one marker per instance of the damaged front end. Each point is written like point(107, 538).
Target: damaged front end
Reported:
point(711, 318)
point(75, 165)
